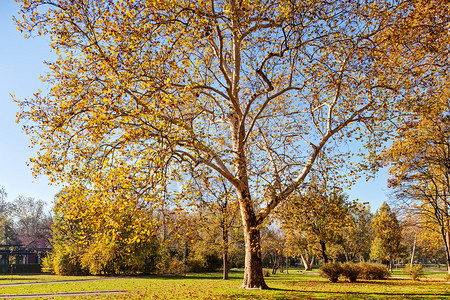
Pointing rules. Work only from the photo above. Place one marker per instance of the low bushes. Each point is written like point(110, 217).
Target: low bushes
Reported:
point(331, 271)
point(351, 271)
point(371, 271)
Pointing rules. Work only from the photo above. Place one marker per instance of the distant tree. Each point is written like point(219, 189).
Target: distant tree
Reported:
point(7, 229)
point(386, 245)
point(218, 213)
point(320, 214)
point(298, 245)
point(273, 248)
point(423, 240)
point(357, 236)
point(94, 238)
point(31, 219)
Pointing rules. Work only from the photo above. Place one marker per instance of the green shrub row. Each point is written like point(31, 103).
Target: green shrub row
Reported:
point(352, 271)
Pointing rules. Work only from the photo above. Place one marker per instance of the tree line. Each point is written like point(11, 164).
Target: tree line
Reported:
point(319, 227)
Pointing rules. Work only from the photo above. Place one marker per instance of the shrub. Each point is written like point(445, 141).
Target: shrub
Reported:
point(63, 260)
point(47, 264)
point(266, 272)
point(351, 271)
point(416, 271)
point(371, 271)
point(331, 271)
point(196, 264)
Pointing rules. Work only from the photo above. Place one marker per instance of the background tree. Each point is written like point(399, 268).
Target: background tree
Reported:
point(7, 229)
point(217, 207)
point(420, 164)
point(31, 219)
point(255, 90)
point(320, 213)
point(90, 236)
point(357, 236)
point(298, 245)
point(386, 244)
point(273, 248)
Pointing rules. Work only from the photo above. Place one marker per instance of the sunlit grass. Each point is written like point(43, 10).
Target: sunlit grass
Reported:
point(295, 285)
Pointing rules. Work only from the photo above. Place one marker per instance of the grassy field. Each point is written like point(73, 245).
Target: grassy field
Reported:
point(296, 285)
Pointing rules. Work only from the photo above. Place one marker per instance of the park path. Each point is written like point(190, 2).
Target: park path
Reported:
point(57, 281)
point(69, 294)
point(62, 294)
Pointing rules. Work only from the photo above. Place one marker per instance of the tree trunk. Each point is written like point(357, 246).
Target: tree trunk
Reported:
point(226, 260)
point(413, 252)
point(447, 249)
point(323, 249)
point(253, 272)
point(226, 265)
point(275, 266)
point(305, 262)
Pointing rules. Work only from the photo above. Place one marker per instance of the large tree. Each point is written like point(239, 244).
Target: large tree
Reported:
point(254, 90)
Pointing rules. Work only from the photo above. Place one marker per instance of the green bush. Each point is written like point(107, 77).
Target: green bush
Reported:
point(369, 271)
point(351, 271)
point(416, 271)
point(331, 271)
point(196, 264)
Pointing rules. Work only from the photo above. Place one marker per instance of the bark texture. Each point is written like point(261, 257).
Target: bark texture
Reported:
point(253, 273)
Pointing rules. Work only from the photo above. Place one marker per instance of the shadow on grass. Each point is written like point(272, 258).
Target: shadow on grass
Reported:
point(365, 295)
point(16, 278)
point(190, 277)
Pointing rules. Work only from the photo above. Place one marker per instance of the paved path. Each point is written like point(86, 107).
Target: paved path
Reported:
point(68, 294)
point(91, 293)
point(57, 281)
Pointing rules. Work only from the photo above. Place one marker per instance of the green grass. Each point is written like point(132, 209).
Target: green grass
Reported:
point(296, 285)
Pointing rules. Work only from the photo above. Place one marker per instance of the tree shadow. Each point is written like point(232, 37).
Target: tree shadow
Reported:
point(400, 295)
point(15, 278)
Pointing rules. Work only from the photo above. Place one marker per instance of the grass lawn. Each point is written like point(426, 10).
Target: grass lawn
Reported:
point(295, 285)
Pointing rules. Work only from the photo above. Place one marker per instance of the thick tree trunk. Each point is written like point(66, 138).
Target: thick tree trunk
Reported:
point(253, 273)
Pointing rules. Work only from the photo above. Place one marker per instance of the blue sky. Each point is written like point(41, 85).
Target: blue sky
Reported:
point(21, 63)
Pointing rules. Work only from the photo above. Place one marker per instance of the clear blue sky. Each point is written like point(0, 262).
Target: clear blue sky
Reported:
point(21, 63)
